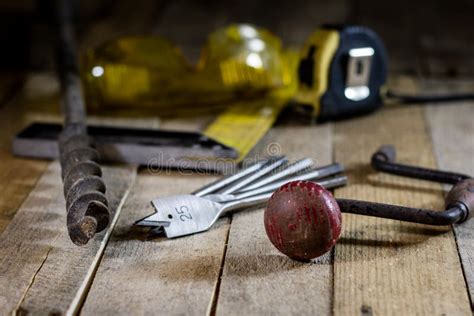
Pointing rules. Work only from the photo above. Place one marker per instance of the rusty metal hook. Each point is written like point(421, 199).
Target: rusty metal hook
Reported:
point(384, 160)
point(460, 197)
point(303, 220)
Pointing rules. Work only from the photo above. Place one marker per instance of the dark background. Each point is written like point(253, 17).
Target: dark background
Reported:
point(426, 38)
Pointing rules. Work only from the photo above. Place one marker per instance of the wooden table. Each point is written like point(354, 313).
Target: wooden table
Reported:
point(379, 266)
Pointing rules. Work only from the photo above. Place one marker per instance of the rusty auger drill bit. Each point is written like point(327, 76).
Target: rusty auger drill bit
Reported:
point(84, 189)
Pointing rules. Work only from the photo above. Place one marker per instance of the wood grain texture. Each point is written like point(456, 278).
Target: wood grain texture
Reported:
point(37, 101)
point(257, 279)
point(385, 267)
point(160, 276)
point(17, 176)
point(452, 132)
point(41, 270)
point(56, 274)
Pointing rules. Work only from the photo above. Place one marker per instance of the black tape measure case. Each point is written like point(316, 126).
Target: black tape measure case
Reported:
point(342, 72)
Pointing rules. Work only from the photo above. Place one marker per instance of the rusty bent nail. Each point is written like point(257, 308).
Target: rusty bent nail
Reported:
point(303, 220)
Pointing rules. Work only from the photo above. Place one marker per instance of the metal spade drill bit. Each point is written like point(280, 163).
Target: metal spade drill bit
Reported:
point(196, 212)
point(86, 204)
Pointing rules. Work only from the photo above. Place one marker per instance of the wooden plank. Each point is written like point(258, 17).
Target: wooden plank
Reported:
point(10, 87)
point(41, 270)
point(149, 184)
point(452, 130)
point(389, 267)
point(38, 102)
point(256, 278)
point(59, 274)
point(176, 276)
point(17, 176)
point(164, 276)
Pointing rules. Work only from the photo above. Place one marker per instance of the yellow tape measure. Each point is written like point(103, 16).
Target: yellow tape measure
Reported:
point(242, 68)
point(242, 125)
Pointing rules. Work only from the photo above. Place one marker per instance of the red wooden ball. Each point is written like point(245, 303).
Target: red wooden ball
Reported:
point(303, 220)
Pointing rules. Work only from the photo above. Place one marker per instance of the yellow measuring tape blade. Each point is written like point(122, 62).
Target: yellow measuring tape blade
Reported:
point(242, 125)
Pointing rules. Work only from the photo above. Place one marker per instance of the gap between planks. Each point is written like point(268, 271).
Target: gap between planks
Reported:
point(42, 271)
point(256, 278)
point(18, 176)
point(389, 267)
point(168, 276)
point(215, 294)
point(180, 276)
point(452, 128)
point(78, 300)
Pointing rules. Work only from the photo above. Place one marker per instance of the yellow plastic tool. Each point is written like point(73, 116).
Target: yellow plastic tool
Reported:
point(238, 62)
point(243, 72)
point(320, 47)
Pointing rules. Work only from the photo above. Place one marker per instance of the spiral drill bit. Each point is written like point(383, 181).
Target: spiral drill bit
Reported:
point(84, 189)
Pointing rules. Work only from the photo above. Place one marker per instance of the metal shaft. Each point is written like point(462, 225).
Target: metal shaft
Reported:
point(287, 171)
point(315, 174)
point(87, 206)
point(384, 160)
point(459, 202)
point(219, 184)
point(450, 216)
point(258, 198)
point(266, 169)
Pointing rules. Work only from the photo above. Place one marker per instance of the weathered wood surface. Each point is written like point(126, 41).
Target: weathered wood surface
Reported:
point(155, 265)
point(41, 270)
point(164, 276)
point(17, 176)
point(36, 101)
point(54, 274)
point(380, 266)
point(387, 267)
point(161, 276)
point(256, 278)
point(452, 132)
